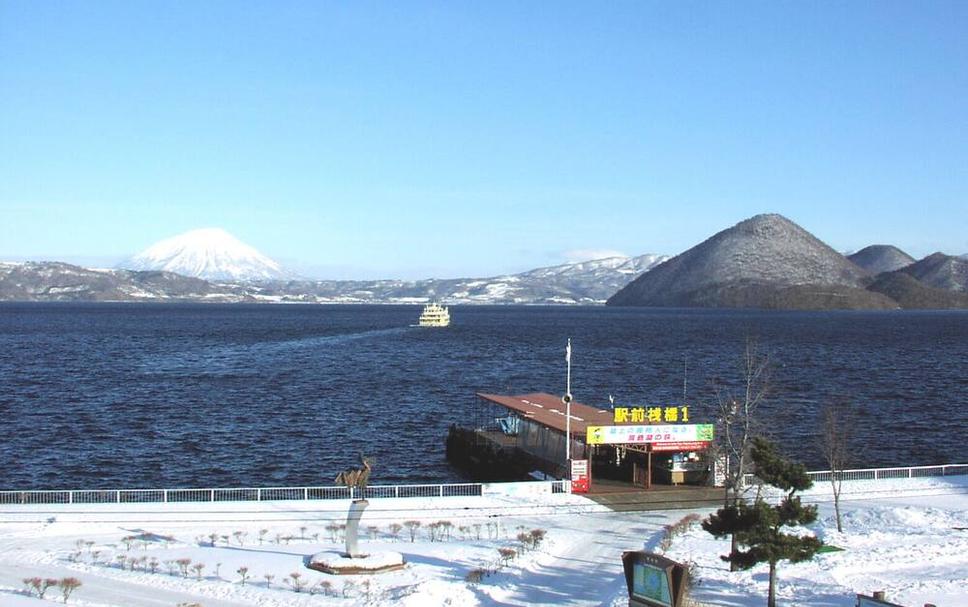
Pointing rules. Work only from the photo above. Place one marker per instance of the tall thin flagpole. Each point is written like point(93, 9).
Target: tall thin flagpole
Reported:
point(567, 400)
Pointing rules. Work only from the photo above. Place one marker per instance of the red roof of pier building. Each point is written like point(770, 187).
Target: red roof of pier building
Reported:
point(548, 410)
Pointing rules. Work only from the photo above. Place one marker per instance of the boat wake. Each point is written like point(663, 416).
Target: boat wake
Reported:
point(250, 359)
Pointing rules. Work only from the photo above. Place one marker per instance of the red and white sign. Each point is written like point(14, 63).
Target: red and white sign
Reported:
point(579, 476)
point(681, 446)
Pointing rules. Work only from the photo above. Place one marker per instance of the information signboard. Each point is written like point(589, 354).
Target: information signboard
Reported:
point(646, 434)
point(653, 580)
point(579, 476)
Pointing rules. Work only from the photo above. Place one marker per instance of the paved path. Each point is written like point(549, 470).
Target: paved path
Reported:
point(589, 571)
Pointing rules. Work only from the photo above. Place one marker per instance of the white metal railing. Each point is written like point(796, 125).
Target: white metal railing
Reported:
point(881, 473)
point(127, 496)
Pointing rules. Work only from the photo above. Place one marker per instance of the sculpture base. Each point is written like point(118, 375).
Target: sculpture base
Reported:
point(337, 563)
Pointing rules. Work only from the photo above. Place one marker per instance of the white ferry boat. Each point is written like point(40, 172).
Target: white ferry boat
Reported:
point(434, 315)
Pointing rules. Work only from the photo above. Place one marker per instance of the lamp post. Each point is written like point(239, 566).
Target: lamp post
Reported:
point(567, 400)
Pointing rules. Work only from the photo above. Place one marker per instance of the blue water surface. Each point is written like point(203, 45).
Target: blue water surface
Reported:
point(179, 395)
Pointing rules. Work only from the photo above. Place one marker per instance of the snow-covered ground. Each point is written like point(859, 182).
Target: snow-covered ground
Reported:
point(906, 537)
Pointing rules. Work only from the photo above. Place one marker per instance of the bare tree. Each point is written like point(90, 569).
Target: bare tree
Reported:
point(739, 425)
point(836, 422)
point(737, 421)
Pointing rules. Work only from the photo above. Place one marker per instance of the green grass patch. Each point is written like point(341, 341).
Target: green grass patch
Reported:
point(829, 548)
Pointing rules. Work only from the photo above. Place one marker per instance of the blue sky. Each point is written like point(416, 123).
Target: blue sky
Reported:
point(471, 139)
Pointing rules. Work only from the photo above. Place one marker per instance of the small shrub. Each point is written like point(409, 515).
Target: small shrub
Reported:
point(395, 529)
point(45, 584)
point(678, 528)
point(198, 567)
point(243, 572)
point(240, 537)
point(31, 584)
point(269, 577)
point(537, 537)
point(507, 555)
point(412, 527)
point(68, 585)
point(349, 587)
point(475, 576)
point(433, 529)
point(183, 566)
point(296, 582)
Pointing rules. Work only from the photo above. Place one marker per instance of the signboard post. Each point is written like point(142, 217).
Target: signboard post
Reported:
point(653, 580)
point(580, 478)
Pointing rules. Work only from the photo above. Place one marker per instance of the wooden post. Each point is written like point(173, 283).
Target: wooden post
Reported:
point(648, 469)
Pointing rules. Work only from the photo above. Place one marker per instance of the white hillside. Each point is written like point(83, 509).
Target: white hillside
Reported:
point(210, 253)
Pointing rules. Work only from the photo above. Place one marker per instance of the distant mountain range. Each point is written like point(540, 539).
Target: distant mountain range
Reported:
point(55, 281)
point(590, 282)
point(768, 261)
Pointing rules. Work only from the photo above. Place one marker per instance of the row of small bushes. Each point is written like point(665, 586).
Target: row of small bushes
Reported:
point(40, 586)
point(528, 540)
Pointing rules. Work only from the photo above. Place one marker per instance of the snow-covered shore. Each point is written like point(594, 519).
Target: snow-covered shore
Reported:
point(903, 536)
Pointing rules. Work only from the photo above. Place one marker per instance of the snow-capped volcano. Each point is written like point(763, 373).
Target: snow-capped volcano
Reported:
point(210, 253)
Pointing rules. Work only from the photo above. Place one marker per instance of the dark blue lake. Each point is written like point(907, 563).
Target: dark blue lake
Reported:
point(145, 395)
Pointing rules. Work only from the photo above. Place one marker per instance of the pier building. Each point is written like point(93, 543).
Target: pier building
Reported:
point(629, 447)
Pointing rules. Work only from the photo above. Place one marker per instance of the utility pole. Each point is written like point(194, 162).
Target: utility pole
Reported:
point(567, 400)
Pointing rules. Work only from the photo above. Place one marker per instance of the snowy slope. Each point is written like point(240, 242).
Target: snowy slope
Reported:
point(210, 253)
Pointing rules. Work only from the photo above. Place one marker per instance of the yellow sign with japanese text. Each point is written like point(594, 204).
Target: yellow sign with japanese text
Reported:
point(651, 415)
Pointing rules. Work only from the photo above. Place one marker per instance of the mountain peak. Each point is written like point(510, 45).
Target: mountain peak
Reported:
point(743, 266)
point(209, 253)
point(879, 258)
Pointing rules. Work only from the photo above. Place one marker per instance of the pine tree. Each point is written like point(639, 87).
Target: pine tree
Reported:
point(758, 527)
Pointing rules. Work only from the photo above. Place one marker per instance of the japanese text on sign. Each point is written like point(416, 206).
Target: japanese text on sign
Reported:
point(650, 415)
point(600, 435)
